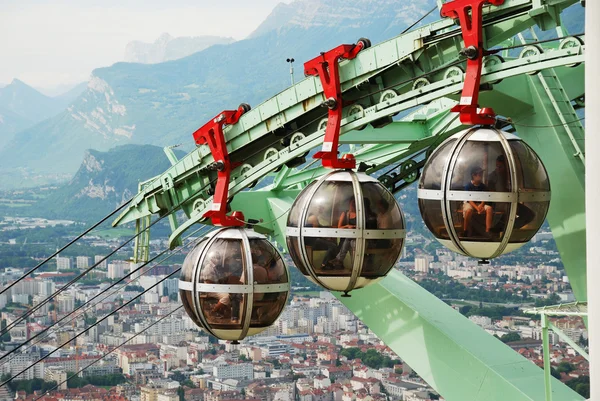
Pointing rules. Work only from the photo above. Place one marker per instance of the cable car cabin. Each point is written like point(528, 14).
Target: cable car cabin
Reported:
point(484, 193)
point(234, 283)
point(345, 231)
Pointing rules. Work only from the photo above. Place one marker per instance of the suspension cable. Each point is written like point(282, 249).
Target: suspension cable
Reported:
point(174, 208)
point(63, 288)
point(87, 231)
point(91, 327)
point(537, 42)
point(419, 20)
point(87, 305)
point(111, 351)
point(35, 308)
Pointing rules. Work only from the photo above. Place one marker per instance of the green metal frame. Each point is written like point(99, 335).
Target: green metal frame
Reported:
point(571, 309)
point(457, 358)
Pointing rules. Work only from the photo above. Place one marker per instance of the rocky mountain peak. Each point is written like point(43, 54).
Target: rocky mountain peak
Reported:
point(167, 47)
point(307, 14)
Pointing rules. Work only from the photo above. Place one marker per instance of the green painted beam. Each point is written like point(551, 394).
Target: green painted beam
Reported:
point(397, 132)
point(542, 129)
point(452, 354)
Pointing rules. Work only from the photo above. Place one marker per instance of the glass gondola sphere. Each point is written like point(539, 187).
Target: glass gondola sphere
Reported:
point(484, 192)
point(234, 283)
point(345, 231)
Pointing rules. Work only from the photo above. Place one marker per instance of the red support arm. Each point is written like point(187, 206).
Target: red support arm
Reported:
point(326, 67)
point(212, 134)
point(470, 15)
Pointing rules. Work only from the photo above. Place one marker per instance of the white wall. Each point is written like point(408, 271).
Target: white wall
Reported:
point(592, 149)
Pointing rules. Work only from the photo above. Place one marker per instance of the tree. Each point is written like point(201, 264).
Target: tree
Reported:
point(29, 386)
point(106, 380)
point(5, 338)
point(188, 383)
point(90, 320)
point(553, 299)
point(583, 389)
point(371, 358)
point(178, 376)
point(465, 309)
point(580, 385)
point(136, 288)
point(565, 367)
point(510, 337)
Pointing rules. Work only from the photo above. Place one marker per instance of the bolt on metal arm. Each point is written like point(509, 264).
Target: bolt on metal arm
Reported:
point(326, 67)
point(211, 134)
point(470, 15)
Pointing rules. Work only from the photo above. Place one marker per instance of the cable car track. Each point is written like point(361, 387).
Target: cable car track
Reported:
point(184, 170)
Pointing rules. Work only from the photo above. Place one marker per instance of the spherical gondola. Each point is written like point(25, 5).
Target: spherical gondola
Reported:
point(345, 231)
point(483, 193)
point(234, 283)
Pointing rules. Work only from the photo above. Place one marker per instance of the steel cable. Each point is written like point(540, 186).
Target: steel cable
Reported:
point(111, 351)
point(87, 305)
point(108, 216)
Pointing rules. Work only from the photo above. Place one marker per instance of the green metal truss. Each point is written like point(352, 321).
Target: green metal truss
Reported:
point(414, 74)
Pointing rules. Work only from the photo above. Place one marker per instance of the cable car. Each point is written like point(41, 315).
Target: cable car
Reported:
point(234, 283)
point(483, 193)
point(345, 231)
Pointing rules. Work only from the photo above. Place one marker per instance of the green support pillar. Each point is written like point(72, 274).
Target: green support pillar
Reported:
point(452, 354)
point(546, 351)
point(542, 128)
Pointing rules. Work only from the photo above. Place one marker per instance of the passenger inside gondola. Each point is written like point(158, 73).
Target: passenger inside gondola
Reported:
point(268, 268)
point(213, 273)
point(471, 208)
point(499, 181)
point(348, 220)
point(320, 219)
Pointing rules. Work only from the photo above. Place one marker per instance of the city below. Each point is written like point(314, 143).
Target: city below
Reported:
point(317, 350)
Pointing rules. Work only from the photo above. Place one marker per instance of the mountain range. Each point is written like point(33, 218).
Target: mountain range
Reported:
point(167, 48)
point(162, 104)
point(22, 106)
point(104, 181)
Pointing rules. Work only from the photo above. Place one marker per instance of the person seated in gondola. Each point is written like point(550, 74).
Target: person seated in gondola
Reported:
point(213, 273)
point(268, 268)
point(498, 181)
point(348, 220)
point(385, 221)
point(319, 219)
point(471, 208)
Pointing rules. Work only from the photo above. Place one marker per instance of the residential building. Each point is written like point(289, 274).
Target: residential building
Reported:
point(224, 371)
point(83, 262)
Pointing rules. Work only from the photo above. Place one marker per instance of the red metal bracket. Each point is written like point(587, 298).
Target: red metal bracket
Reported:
point(212, 134)
point(326, 67)
point(470, 15)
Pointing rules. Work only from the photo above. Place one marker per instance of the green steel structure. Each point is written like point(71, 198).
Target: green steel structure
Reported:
point(417, 76)
point(570, 309)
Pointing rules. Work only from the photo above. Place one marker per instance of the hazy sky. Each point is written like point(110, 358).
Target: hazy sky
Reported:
point(47, 43)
